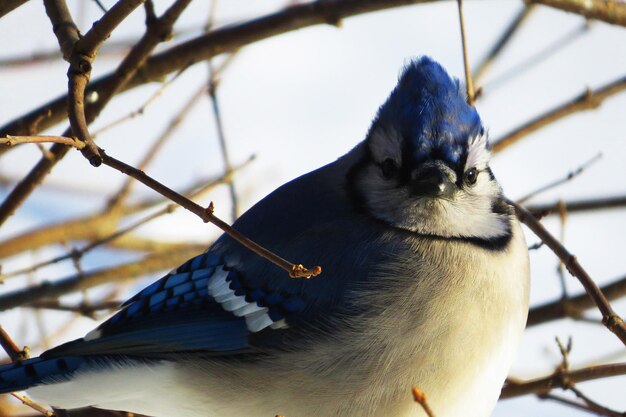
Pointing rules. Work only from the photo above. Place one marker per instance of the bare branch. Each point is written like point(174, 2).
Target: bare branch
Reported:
point(201, 48)
point(147, 265)
point(610, 319)
point(609, 11)
point(504, 40)
point(586, 101)
point(561, 379)
point(576, 206)
point(571, 175)
point(574, 306)
point(9, 346)
point(7, 6)
point(206, 214)
point(420, 397)
point(15, 140)
point(469, 84)
point(30, 403)
point(158, 31)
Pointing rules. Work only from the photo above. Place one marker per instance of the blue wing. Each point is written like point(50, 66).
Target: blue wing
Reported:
point(229, 300)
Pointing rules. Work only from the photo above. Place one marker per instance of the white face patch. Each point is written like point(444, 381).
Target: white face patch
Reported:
point(478, 155)
point(384, 144)
point(467, 214)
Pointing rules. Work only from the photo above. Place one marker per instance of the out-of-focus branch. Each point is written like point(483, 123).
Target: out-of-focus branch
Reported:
point(574, 306)
point(7, 6)
point(561, 379)
point(228, 38)
point(504, 40)
point(100, 228)
point(610, 319)
point(157, 31)
point(206, 214)
point(118, 199)
point(609, 11)
point(576, 206)
point(469, 83)
point(11, 348)
point(570, 176)
point(590, 99)
point(148, 265)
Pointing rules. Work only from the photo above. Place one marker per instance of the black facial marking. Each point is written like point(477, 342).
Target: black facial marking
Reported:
point(357, 199)
point(389, 168)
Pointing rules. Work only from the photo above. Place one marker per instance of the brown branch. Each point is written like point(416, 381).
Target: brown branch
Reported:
point(83, 53)
point(595, 407)
point(609, 11)
point(206, 214)
point(504, 40)
point(176, 121)
point(420, 397)
point(574, 306)
point(11, 348)
point(469, 84)
point(590, 99)
point(15, 140)
point(610, 319)
point(7, 6)
point(157, 31)
point(30, 403)
point(147, 265)
point(577, 206)
point(570, 176)
point(561, 379)
point(228, 38)
point(123, 241)
point(63, 26)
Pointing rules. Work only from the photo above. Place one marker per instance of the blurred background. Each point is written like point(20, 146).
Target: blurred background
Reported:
point(295, 102)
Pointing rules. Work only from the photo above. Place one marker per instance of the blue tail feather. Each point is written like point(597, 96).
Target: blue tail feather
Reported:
point(24, 374)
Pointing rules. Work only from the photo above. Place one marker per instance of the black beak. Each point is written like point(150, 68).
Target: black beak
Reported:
point(432, 182)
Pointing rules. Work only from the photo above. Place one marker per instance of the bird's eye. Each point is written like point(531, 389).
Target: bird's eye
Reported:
point(471, 175)
point(389, 168)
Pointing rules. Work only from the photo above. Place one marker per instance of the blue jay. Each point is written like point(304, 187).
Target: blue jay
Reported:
point(425, 284)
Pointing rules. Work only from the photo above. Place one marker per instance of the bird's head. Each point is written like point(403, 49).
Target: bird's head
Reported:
point(424, 166)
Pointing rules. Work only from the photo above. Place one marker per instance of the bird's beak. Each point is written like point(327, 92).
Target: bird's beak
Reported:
point(433, 182)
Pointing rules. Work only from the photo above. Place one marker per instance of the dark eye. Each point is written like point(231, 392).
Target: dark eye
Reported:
point(389, 168)
point(471, 175)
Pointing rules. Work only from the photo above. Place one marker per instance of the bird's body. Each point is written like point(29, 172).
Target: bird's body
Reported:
point(429, 292)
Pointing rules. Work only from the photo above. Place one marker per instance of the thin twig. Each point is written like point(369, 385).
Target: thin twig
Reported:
point(207, 215)
point(611, 11)
point(77, 253)
point(503, 41)
point(9, 140)
point(206, 46)
point(561, 379)
point(142, 109)
point(125, 71)
point(147, 265)
point(574, 306)
point(538, 57)
point(590, 99)
point(469, 84)
point(30, 403)
point(570, 176)
point(9, 346)
point(116, 201)
point(610, 319)
point(595, 407)
point(577, 206)
point(568, 402)
point(420, 397)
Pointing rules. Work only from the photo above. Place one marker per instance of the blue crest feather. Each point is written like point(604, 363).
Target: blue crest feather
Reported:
point(429, 110)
